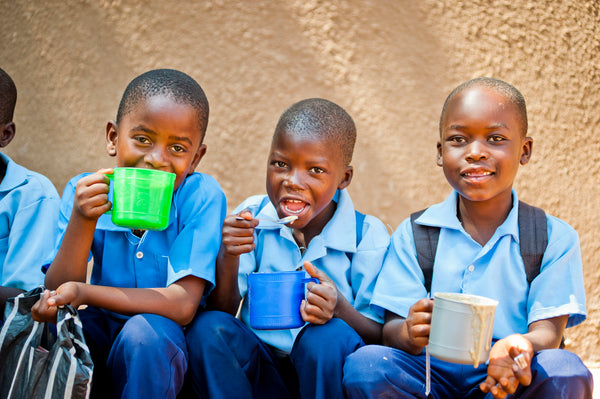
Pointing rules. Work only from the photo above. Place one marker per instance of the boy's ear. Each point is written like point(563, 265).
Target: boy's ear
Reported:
point(200, 152)
point(439, 161)
point(8, 133)
point(526, 150)
point(111, 138)
point(348, 173)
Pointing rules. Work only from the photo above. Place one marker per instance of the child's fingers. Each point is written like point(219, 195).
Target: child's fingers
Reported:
point(312, 314)
point(318, 274)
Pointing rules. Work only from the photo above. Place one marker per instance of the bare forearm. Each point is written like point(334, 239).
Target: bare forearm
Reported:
point(70, 263)
point(369, 330)
point(395, 335)
point(546, 334)
point(226, 294)
point(174, 302)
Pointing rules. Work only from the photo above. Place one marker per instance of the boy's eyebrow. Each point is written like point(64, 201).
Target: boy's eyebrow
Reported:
point(142, 128)
point(490, 127)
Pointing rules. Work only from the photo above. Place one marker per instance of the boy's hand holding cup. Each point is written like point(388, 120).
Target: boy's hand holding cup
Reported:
point(321, 299)
point(91, 195)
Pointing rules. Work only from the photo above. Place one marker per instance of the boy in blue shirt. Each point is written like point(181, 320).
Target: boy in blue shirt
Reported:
point(483, 128)
point(307, 174)
point(28, 211)
point(145, 285)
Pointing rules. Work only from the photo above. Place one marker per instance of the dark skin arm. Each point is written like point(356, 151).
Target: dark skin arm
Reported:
point(411, 334)
point(324, 301)
point(67, 273)
point(91, 201)
point(237, 239)
point(503, 374)
point(177, 302)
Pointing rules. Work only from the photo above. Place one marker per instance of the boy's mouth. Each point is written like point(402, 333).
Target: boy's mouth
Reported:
point(293, 207)
point(476, 174)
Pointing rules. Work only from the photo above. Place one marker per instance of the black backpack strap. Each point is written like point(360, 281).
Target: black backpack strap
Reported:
point(426, 241)
point(360, 220)
point(533, 238)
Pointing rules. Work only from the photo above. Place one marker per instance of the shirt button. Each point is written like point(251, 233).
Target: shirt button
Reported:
point(471, 268)
point(139, 255)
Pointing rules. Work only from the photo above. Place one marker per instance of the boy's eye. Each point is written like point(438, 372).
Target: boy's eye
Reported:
point(279, 164)
point(456, 139)
point(496, 138)
point(316, 169)
point(178, 148)
point(142, 139)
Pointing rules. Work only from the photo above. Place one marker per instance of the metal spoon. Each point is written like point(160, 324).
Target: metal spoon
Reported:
point(285, 220)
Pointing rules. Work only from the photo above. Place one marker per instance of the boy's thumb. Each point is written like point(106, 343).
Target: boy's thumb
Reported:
point(314, 272)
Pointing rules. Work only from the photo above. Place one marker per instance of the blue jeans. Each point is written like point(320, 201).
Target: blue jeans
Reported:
point(142, 357)
point(227, 360)
point(379, 371)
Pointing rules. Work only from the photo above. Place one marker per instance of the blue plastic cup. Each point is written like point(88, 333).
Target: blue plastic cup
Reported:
point(274, 299)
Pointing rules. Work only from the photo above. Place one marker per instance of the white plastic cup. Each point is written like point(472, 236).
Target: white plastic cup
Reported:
point(461, 328)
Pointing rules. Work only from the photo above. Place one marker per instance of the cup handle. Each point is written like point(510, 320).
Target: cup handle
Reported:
point(309, 279)
point(111, 177)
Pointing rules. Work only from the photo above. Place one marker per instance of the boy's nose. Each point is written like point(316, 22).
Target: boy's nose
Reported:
point(293, 180)
point(476, 151)
point(156, 159)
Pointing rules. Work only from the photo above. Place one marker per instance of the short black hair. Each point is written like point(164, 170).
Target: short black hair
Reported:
point(317, 117)
point(8, 97)
point(510, 92)
point(174, 84)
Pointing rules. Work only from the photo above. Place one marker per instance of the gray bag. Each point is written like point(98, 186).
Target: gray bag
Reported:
point(35, 364)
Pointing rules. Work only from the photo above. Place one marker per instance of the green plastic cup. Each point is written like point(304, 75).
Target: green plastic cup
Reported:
point(141, 198)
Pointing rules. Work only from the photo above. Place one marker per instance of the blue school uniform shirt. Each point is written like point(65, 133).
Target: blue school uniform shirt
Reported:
point(495, 270)
point(28, 217)
point(188, 246)
point(276, 250)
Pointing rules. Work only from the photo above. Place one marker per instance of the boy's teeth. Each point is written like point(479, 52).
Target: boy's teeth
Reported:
point(294, 206)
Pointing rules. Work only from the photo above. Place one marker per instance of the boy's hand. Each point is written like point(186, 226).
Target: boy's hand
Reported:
point(91, 195)
point(41, 311)
point(238, 233)
point(418, 323)
point(45, 309)
point(504, 375)
point(321, 299)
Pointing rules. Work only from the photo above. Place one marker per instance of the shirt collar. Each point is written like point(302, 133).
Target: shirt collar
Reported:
point(444, 215)
point(15, 176)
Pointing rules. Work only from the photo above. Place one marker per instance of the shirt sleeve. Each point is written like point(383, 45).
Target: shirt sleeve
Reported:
point(558, 289)
point(366, 265)
point(401, 282)
point(64, 214)
point(202, 208)
point(31, 241)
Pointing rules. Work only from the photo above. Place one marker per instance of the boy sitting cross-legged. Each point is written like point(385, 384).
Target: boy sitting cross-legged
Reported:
point(145, 285)
point(483, 140)
point(307, 174)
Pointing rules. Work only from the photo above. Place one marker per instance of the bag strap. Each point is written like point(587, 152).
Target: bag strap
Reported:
point(533, 239)
point(426, 241)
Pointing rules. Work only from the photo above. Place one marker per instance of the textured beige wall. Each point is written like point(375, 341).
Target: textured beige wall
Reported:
point(390, 63)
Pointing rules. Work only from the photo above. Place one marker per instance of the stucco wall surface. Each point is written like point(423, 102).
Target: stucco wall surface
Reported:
point(390, 63)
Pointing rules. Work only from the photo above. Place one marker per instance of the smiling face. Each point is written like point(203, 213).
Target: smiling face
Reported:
point(303, 174)
point(158, 133)
point(481, 144)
